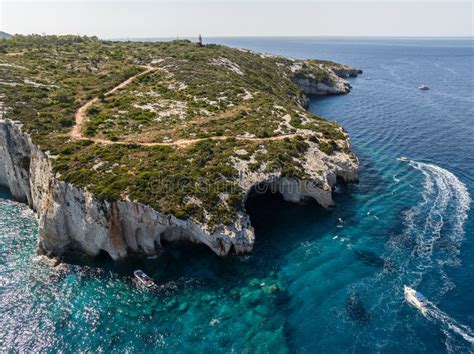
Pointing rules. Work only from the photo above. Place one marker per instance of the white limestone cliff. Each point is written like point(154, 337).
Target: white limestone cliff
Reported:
point(334, 84)
point(71, 219)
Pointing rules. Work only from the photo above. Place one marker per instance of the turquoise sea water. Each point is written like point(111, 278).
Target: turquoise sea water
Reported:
point(319, 280)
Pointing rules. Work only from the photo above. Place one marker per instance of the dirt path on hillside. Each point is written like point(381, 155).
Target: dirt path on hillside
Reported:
point(76, 132)
point(80, 116)
point(187, 142)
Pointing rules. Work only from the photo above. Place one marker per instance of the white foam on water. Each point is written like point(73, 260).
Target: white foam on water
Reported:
point(439, 217)
point(431, 239)
point(441, 190)
point(448, 324)
point(436, 193)
point(445, 202)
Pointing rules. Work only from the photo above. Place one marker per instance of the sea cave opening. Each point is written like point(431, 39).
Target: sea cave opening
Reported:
point(278, 223)
point(177, 244)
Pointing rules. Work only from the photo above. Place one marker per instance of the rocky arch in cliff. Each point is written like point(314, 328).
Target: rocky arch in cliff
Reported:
point(274, 219)
point(292, 190)
point(71, 218)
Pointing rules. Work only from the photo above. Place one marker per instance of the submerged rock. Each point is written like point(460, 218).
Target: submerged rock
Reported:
point(356, 310)
point(369, 258)
point(49, 261)
point(373, 260)
point(252, 298)
point(272, 289)
point(268, 342)
point(183, 307)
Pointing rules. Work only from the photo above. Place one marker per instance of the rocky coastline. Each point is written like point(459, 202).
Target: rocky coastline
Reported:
point(71, 218)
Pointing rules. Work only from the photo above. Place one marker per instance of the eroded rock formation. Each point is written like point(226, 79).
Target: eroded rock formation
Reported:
point(70, 218)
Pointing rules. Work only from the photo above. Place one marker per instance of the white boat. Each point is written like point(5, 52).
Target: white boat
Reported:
point(416, 299)
point(143, 278)
point(423, 88)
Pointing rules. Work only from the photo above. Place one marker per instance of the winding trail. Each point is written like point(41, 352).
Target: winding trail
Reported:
point(186, 142)
point(80, 116)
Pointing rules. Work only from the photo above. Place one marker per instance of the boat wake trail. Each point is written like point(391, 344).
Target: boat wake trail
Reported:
point(435, 225)
point(449, 324)
point(435, 229)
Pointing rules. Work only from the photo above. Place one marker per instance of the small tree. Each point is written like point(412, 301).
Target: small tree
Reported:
point(200, 41)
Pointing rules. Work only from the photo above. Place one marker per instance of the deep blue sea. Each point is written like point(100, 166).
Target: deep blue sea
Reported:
point(325, 281)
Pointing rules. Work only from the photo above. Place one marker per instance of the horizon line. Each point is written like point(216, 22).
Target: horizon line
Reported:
point(284, 36)
point(246, 36)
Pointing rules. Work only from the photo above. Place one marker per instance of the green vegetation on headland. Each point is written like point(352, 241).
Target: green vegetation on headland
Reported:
point(171, 138)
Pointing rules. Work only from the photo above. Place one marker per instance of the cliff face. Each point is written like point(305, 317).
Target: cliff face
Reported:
point(70, 217)
point(332, 84)
point(119, 155)
point(323, 172)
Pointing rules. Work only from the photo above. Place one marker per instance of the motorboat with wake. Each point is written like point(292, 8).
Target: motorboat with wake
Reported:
point(423, 88)
point(430, 311)
point(416, 299)
point(143, 278)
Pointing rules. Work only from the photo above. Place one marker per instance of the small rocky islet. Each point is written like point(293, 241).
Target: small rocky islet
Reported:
point(122, 146)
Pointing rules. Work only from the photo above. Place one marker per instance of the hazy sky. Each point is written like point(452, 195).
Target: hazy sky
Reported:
point(160, 18)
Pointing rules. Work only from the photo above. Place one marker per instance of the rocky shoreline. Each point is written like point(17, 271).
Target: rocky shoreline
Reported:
point(71, 218)
point(334, 85)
